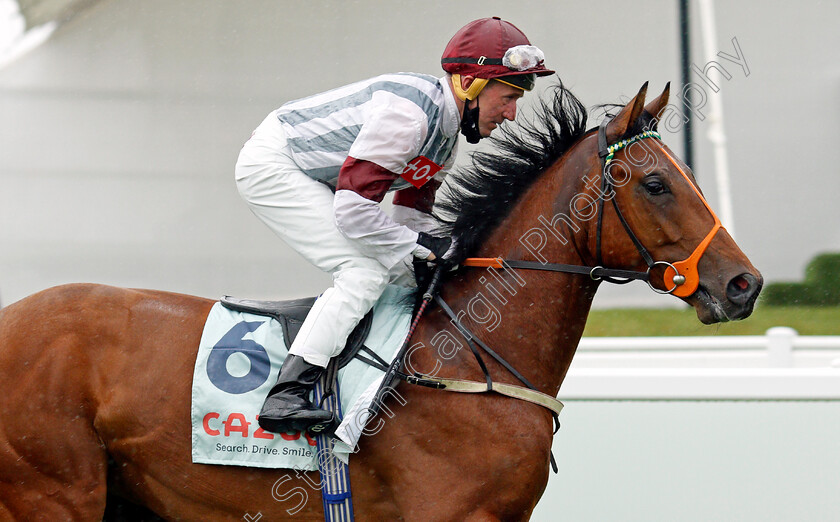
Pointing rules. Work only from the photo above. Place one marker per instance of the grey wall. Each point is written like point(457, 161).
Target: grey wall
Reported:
point(118, 136)
point(695, 461)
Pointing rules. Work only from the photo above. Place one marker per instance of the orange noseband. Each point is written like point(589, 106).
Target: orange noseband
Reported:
point(687, 268)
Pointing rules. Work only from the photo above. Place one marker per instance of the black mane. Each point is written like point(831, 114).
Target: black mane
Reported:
point(486, 191)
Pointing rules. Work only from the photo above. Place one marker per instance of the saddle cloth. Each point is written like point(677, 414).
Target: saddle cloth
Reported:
point(239, 358)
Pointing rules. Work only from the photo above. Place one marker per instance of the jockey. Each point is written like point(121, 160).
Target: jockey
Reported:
point(316, 170)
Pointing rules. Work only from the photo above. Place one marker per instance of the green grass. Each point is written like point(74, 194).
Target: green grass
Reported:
point(807, 320)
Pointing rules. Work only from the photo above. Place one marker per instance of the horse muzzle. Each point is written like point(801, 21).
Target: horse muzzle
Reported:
point(736, 301)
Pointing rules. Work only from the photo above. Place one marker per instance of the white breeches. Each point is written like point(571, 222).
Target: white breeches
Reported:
point(300, 211)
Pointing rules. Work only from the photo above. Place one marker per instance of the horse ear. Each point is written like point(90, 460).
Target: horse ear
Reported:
point(627, 116)
point(655, 107)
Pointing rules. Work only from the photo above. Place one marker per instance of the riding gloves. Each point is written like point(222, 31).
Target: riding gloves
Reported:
point(438, 245)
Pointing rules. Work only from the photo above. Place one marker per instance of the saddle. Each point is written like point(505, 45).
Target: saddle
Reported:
point(290, 314)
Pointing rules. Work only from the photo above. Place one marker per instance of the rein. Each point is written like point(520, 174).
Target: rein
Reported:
point(393, 371)
point(529, 394)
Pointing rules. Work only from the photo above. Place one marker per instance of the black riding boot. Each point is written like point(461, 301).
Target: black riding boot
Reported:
point(287, 407)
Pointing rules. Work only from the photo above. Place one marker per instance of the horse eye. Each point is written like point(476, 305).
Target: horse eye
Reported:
point(655, 187)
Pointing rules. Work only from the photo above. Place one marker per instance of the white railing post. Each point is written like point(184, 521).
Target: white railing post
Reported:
point(780, 346)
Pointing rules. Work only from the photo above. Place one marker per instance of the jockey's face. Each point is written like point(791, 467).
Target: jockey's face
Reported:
point(497, 103)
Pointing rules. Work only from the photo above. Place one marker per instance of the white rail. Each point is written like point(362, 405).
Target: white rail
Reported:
point(780, 365)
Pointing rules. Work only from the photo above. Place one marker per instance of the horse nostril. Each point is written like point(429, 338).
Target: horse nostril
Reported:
point(741, 288)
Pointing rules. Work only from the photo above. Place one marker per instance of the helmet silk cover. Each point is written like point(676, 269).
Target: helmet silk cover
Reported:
point(488, 49)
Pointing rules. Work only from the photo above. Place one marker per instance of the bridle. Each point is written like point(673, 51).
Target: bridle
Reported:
point(680, 278)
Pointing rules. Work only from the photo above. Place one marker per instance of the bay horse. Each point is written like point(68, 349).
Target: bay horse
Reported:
point(96, 379)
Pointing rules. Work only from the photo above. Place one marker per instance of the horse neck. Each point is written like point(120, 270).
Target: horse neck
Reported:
point(533, 319)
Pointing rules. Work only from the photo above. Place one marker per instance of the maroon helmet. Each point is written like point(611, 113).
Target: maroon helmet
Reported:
point(491, 48)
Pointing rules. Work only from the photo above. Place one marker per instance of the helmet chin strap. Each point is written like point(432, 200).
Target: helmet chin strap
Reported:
point(469, 120)
point(469, 123)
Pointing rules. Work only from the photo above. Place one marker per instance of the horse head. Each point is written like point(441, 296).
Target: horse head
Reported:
point(609, 203)
point(658, 219)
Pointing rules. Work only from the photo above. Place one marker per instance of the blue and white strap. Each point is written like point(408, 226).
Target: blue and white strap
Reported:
point(335, 475)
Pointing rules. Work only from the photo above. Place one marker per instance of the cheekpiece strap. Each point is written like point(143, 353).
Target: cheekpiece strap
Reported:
point(603, 146)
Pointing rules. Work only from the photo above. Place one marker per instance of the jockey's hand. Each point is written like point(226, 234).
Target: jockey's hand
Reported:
point(438, 245)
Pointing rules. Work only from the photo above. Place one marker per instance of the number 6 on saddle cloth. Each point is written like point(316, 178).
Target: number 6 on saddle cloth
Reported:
point(291, 314)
